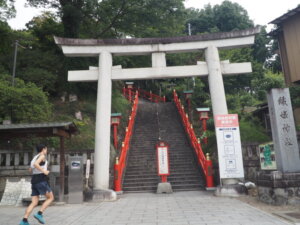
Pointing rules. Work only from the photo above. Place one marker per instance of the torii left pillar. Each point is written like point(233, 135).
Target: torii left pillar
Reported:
point(102, 136)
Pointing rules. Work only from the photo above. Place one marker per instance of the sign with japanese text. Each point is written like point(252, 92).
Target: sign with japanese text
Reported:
point(162, 160)
point(267, 156)
point(229, 146)
point(283, 130)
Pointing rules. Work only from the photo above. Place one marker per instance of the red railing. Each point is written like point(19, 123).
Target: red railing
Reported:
point(127, 92)
point(120, 164)
point(205, 163)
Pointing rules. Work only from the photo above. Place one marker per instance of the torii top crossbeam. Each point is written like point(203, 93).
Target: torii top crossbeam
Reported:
point(141, 46)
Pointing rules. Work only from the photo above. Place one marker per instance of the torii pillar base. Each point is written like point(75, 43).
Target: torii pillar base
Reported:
point(231, 190)
point(104, 195)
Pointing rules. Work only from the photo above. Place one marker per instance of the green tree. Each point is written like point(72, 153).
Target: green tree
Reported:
point(7, 9)
point(116, 18)
point(225, 17)
point(269, 81)
point(24, 102)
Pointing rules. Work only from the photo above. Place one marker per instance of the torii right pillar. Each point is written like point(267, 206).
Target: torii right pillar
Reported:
point(228, 186)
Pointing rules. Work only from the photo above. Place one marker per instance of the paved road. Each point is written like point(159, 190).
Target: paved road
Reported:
point(181, 208)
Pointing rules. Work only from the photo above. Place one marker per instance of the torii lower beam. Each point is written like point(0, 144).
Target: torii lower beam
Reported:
point(159, 72)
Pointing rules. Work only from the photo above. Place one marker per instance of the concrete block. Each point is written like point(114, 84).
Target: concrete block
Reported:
point(164, 188)
point(234, 190)
point(104, 195)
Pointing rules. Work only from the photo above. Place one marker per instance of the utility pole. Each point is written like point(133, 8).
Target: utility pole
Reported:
point(189, 28)
point(15, 62)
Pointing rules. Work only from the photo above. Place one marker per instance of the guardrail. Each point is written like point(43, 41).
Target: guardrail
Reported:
point(204, 162)
point(129, 93)
point(120, 164)
point(13, 158)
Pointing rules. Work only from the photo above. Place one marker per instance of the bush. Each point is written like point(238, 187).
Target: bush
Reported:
point(23, 102)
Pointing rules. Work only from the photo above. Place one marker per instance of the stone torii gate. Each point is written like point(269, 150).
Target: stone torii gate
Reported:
point(105, 49)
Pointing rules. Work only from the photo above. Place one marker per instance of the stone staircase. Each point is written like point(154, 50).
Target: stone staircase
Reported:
point(156, 120)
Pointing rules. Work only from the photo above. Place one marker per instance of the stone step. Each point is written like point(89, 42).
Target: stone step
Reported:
point(141, 172)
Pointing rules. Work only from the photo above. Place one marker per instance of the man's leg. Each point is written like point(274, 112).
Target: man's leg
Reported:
point(39, 214)
point(50, 198)
point(33, 204)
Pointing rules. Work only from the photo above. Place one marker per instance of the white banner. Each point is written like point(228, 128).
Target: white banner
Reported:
point(229, 146)
point(163, 161)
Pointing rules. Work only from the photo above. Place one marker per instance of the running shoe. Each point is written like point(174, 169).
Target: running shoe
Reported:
point(39, 218)
point(23, 223)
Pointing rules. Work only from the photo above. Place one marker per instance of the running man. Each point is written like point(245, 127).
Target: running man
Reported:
point(39, 185)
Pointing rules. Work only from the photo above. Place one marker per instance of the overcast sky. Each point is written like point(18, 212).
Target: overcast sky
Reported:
point(261, 12)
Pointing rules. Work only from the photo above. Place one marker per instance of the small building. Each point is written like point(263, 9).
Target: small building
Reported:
point(288, 35)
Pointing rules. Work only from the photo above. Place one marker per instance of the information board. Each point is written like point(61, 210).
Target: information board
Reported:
point(163, 160)
point(229, 146)
point(267, 156)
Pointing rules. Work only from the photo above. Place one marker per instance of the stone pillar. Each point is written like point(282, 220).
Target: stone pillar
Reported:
point(159, 59)
point(7, 163)
point(103, 112)
point(217, 93)
point(283, 130)
point(215, 81)
point(26, 159)
point(17, 159)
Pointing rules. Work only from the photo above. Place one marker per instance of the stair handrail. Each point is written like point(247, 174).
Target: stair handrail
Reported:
point(205, 162)
point(144, 94)
point(120, 164)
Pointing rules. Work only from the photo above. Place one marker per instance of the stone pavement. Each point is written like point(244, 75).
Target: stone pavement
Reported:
point(180, 208)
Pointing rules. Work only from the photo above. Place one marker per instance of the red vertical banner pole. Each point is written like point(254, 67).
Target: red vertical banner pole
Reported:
point(124, 92)
point(189, 104)
point(163, 164)
point(209, 172)
point(116, 136)
point(117, 177)
point(204, 130)
point(129, 94)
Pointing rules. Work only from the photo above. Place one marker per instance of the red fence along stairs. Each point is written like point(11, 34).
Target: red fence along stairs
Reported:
point(154, 122)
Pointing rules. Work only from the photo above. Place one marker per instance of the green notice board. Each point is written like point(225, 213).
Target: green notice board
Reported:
point(267, 156)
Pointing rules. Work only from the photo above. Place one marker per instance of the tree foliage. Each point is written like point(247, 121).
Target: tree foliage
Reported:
point(7, 9)
point(227, 16)
point(116, 18)
point(24, 102)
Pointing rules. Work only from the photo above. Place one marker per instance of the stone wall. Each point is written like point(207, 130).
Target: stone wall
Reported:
point(278, 188)
point(251, 161)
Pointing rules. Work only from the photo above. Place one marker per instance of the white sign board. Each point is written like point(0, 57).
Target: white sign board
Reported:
point(229, 146)
point(88, 167)
point(163, 160)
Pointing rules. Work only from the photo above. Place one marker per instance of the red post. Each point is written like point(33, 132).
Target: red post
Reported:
point(150, 96)
point(124, 91)
point(115, 136)
point(164, 179)
point(164, 98)
point(129, 90)
point(204, 130)
point(117, 177)
point(189, 104)
point(209, 172)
